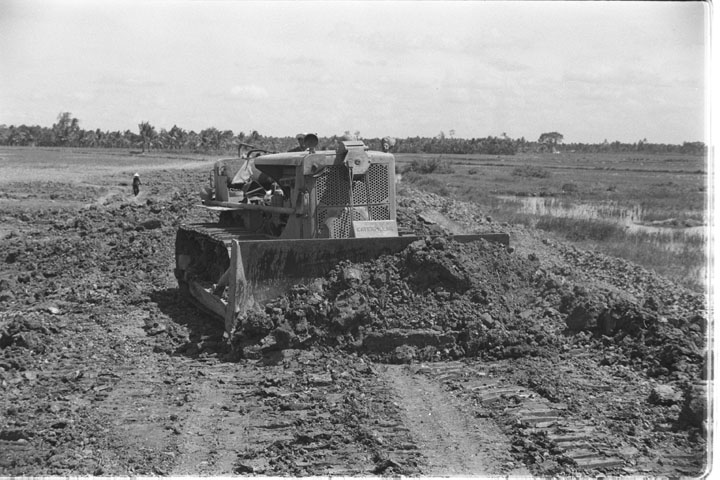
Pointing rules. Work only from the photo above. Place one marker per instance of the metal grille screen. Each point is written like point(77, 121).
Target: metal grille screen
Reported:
point(370, 199)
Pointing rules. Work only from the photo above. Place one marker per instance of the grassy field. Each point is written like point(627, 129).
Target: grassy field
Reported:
point(647, 209)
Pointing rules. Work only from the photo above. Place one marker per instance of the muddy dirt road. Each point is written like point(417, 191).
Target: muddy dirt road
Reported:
point(442, 360)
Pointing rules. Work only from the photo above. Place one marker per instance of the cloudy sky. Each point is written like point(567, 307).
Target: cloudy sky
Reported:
point(589, 70)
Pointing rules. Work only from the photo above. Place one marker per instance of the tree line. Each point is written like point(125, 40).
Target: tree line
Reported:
point(66, 132)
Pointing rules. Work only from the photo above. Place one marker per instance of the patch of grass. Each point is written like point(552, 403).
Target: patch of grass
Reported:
point(653, 213)
point(429, 184)
point(497, 180)
point(575, 229)
point(569, 188)
point(686, 264)
point(531, 171)
point(430, 165)
point(467, 193)
point(671, 254)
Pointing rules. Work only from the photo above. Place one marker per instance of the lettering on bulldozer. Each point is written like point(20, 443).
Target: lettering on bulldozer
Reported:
point(286, 218)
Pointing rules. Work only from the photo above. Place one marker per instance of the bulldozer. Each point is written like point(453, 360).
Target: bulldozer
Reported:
point(287, 218)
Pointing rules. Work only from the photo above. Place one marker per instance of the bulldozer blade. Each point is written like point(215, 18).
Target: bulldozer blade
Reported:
point(272, 259)
point(272, 267)
point(258, 270)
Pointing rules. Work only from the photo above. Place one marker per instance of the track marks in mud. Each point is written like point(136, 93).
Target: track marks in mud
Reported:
point(451, 441)
point(292, 412)
point(552, 436)
point(314, 414)
point(211, 430)
point(138, 425)
point(517, 424)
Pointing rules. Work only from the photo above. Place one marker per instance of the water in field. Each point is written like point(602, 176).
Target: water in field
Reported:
point(555, 207)
point(629, 217)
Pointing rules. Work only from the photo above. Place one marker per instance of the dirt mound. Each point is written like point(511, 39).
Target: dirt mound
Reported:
point(440, 299)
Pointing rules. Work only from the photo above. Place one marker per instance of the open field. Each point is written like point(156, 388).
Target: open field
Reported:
point(542, 359)
point(21, 164)
point(650, 209)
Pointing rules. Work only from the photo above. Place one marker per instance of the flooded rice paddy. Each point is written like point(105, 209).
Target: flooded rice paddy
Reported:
point(632, 218)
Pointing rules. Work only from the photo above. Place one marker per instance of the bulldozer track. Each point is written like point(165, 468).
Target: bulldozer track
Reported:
point(451, 440)
point(578, 439)
point(590, 444)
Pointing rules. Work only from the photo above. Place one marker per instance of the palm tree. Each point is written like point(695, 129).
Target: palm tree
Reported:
point(178, 137)
point(67, 129)
point(147, 132)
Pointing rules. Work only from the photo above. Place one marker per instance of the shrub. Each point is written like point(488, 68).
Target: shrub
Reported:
point(472, 171)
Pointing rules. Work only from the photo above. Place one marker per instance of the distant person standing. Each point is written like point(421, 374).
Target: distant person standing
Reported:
point(136, 184)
